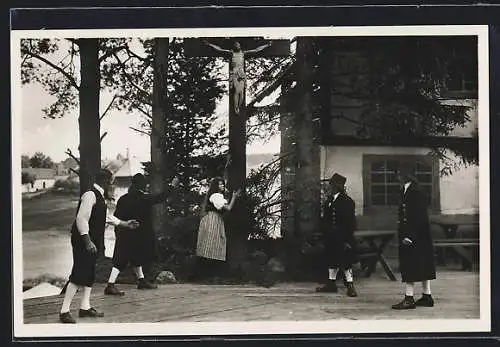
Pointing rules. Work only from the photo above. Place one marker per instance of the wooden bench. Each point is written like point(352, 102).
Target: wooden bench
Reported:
point(461, 247)
point(450, 231)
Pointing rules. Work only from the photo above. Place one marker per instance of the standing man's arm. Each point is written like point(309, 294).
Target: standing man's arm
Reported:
point(88, 201)
point(119, 218)
point(131, 224)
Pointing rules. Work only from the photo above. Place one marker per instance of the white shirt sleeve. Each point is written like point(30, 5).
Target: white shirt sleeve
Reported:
point(111, 219)
point(88, 201)
point(218, 200)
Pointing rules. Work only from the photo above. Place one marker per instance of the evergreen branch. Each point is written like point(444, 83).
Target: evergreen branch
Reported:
point(271, 87)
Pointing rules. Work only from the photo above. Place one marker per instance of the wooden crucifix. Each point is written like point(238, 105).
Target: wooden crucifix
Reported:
point(232, 49)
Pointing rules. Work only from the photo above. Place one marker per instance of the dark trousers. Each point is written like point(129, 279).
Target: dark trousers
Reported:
point(127, 250)
point(84, 263)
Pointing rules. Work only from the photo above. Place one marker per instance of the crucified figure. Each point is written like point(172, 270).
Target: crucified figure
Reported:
point(237, 76)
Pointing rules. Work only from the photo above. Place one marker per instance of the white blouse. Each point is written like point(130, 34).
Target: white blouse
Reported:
point(218, 200)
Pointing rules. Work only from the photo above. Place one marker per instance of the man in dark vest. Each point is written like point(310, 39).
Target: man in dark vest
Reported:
point(87, 241)
point(416, 254)
point(338, 224)
point(136, 247)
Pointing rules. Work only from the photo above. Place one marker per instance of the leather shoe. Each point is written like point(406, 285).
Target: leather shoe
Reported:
point(425, 301)
point(91, 312)
point(329, 287)
point(407, 303)
point(66, 317)
point(111, 289)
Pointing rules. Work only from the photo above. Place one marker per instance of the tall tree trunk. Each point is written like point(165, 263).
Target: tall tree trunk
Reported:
point(236, 172)
point(307, 207)
point(160, 112)
point(88, 120)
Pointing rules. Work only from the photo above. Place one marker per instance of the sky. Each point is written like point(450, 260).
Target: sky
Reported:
point(54, 136)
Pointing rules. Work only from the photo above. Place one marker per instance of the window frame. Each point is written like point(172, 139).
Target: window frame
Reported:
point(368, 159)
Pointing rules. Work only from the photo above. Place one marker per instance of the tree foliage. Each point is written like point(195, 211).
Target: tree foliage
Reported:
point(27, 178)
point(193, 87)
point(40, 160)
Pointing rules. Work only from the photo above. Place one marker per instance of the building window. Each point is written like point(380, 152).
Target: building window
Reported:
point(381, 188)
point(462, 78)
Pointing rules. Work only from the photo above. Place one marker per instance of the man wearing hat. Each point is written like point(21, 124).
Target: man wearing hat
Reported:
point(416, 254)
point(136, 248)
point(338, 224)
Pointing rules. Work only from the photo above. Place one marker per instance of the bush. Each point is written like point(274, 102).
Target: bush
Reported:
point(67, 186)
point(177, 246)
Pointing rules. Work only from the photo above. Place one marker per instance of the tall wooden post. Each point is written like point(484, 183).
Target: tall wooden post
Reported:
point(88, 120)
point(158, 127)
point(308, 169)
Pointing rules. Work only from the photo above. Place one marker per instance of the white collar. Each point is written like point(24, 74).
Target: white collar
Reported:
point(336, 196)
point(99, 189)
point(407, 184)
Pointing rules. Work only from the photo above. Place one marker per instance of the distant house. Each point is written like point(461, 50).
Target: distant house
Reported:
point(123, 176)
point(45, 179)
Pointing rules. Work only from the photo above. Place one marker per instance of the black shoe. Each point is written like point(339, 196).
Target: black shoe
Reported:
point(91, 312)
point(351, 291)
point(329, 287)
point(111, 289)
point(407, 303)
point(425, 301)
point(143, 284)
point(66, 317)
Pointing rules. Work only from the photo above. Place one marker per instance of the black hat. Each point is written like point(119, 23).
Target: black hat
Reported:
point(338, 180)
point(407, 170)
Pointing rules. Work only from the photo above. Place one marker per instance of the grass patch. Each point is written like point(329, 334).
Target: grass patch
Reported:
point(50, 211)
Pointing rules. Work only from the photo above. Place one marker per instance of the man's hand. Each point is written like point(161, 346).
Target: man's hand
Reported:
point(131, 224)
point(407, 242)
point(89, 245)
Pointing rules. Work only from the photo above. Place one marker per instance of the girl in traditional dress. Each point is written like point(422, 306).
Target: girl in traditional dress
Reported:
point(211, 244)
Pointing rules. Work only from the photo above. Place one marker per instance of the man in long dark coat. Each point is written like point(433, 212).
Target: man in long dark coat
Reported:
point(416, 254)
point(137, 248)
point(338, 224)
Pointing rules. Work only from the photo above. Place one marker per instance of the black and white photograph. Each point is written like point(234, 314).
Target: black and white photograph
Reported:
point(230, 181)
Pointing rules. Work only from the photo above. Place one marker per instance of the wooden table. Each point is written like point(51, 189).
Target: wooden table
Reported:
point(377, 241)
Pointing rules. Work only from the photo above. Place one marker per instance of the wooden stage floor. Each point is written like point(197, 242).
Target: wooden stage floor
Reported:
point(456, 294)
